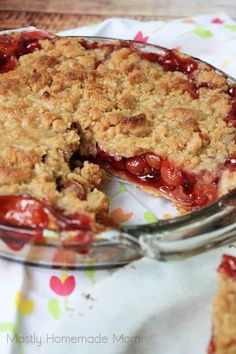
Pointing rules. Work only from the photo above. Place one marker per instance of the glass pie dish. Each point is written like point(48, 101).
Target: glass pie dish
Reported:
point(166, 239)
point(176, 238)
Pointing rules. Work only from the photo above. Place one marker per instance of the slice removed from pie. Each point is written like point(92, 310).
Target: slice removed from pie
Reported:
point(224, 310)
point(72, 108)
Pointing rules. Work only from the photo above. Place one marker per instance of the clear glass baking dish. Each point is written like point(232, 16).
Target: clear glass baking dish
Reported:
point(175, 238)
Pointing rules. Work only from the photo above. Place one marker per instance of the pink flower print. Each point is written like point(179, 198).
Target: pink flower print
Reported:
point(140, 37)
point(217, 21)
point(62, 286)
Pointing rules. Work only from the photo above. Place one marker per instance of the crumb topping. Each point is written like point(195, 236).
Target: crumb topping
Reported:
point(171, 123)
point(224, 316)
point(66, 97)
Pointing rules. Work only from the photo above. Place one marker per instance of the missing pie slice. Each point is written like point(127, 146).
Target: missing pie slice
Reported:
point(72, 108)
point(224, 310)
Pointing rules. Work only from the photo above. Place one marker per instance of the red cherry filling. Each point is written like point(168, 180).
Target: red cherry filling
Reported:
point(231, 163)
point(77, 187)
point(232, 91)
point(228, 266)
point(172, 61)
point(23, 211)
point(137, 166)
point(230, 117)
point(14, 46)
point(7, 64)
point(28, 211)
point(211, 347)
point(182, 196)
point(191, 190)
point(153, 161)
point(120, 164)
point(34, 216)
point(170, 174)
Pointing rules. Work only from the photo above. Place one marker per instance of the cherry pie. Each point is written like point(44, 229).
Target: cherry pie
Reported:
point(72, 108)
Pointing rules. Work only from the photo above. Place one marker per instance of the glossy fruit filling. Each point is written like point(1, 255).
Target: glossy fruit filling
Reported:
point(171, 61)
point(191, 191)
point(211, 347)
point(228, 266)
point(14, 46)
point(34, 217)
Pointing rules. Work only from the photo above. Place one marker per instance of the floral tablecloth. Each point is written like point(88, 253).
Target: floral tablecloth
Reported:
point(37, 300)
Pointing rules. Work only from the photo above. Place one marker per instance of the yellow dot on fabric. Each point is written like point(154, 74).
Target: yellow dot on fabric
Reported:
point(63, 277)
point(24, 306)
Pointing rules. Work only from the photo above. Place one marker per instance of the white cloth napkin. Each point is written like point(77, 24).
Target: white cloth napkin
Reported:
point(157, 307)
point(149, 307)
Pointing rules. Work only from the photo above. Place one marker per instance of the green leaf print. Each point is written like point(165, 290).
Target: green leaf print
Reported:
point(54, 308)
point(231, 27)
point(122, 188)
point(150, 217)
point(202, 32)
point(90, 272)
point(12, 329)
point(7, 327)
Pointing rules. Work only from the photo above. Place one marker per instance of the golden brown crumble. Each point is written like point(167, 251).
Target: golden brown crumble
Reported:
point(65, 98)
point(168, 108)
point(224, 316)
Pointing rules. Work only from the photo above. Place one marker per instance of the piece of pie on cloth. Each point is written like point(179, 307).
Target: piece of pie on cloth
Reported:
point(224, 309)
